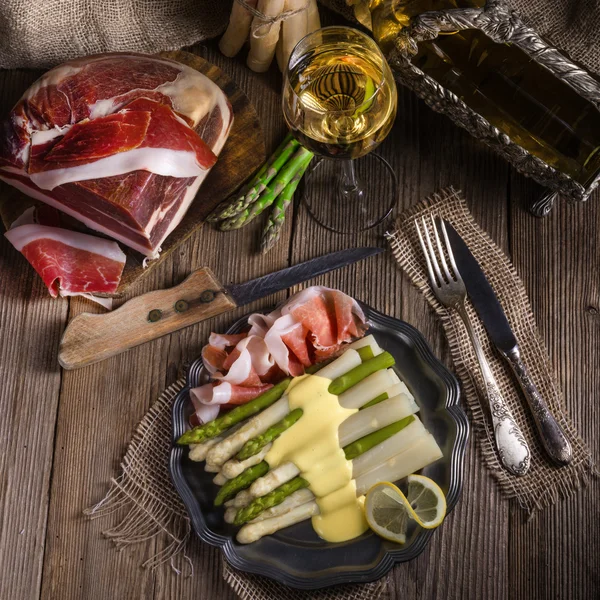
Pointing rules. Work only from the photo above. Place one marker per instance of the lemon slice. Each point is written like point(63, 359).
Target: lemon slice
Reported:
point(388, 510)
point(427, 501)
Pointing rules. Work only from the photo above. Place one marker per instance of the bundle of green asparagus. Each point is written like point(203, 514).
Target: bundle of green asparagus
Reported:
point(273, 186)
point(384, 440)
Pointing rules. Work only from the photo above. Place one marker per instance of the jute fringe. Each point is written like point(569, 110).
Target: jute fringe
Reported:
point(544, 484)
point(145, 491)
point(150, 508)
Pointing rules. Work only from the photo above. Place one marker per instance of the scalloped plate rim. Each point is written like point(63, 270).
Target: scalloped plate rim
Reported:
point(391, 556)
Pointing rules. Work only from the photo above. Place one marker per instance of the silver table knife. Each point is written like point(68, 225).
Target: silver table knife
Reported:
point(496, 324)
point(90, 338)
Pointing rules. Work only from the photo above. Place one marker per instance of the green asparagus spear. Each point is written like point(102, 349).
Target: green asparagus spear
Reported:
point(351, 451)
point(352, 377)
point(371, 440)
point(255, 445)
point(231, 487)
point(277, 496)
point(300, 159)
point(365, 353)
point(375, 401)
point(221, 424)
point(276, 220)
point(257, 184)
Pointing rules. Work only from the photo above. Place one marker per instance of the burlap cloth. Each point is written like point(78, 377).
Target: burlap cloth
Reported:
point(43, 33)
point(544, 483)
point(147, 505)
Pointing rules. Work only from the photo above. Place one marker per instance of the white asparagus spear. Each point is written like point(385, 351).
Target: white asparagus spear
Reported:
point(219, 479)
point(419, 455)
point(263, 37)
point(223, 451)
point(198, 452)
point(341, 365)
point(242, 498)
point(230, 513)
point(368, 389)
point(273, 479)
point(258, 424)
point(374, 417)
point(368, 340)
point(232, 468)
point(294, 28)
point(254, 531)
point(394, 445)
point(288, 470)
point(211, 467)
point(238, 29)
point(292, 501)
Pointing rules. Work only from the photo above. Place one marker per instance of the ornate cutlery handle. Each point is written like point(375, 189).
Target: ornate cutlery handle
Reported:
point(553, 438)
point(510, 441)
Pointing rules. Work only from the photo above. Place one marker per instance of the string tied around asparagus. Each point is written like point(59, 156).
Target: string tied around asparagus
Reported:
point(262, 29)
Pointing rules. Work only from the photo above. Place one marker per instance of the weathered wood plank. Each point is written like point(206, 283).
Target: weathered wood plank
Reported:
point(428, 152)
point(102, 404)
point(555, 555)
point(31, 326)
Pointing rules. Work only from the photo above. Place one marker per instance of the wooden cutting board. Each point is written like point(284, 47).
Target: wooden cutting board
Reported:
point(243, 153)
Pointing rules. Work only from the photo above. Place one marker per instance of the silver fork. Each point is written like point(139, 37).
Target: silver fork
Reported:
point(450, 290)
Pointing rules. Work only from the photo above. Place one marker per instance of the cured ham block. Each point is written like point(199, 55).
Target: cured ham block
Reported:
point(69, 262)
point(310, 327)
point(121, 142)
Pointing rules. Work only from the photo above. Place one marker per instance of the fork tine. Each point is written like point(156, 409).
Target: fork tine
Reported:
point(432, 255)
point(441, 249)
point(426, 253)
point(449, 249)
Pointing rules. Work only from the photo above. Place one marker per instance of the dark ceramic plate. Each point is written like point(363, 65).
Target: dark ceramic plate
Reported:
point(296, 556)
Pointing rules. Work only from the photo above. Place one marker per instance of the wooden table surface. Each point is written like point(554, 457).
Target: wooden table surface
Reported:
point(64, 433)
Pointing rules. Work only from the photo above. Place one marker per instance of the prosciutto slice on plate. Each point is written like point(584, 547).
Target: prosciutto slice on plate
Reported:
point(310, 327)
point(69, 262)
point(120, 142)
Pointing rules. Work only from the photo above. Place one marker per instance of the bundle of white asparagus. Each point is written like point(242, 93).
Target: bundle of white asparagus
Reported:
point(282, 25)
point(384, 439)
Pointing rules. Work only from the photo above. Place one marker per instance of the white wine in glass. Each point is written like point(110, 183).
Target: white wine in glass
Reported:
point(339, 100)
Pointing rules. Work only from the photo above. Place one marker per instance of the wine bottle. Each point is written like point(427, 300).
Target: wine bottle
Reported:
point(542, 111)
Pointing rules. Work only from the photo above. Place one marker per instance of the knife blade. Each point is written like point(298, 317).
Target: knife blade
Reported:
point(90, 338)
point(498, 328)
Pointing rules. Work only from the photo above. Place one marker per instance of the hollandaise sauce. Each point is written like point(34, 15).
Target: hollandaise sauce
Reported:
point(312, 444)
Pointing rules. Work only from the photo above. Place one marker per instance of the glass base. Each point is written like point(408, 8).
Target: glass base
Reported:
point(335, 202)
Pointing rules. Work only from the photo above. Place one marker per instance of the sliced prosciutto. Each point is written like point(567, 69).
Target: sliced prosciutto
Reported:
point(310, 327)
point(70, 263)
point(120, 142)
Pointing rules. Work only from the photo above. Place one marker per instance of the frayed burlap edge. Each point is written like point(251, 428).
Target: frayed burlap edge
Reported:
point(149, 506)
point(544, 484)
point(145, 491)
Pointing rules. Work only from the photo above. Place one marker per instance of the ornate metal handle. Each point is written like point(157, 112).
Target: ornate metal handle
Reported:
point(512, 446)
point(553, 438)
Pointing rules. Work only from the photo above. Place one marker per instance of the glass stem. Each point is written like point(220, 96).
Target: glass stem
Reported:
point(351, 185)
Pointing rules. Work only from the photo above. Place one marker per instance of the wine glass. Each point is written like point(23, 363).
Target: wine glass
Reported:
point(339, 100)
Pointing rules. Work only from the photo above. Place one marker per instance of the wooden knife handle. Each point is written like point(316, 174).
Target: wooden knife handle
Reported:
point(90, 338)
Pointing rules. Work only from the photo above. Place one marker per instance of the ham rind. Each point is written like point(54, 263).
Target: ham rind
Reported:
point(75, 141)
point(310, 327)
point(70, 263)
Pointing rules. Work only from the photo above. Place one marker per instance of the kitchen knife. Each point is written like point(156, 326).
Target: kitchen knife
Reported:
point(496, 324)
point(90, 338)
